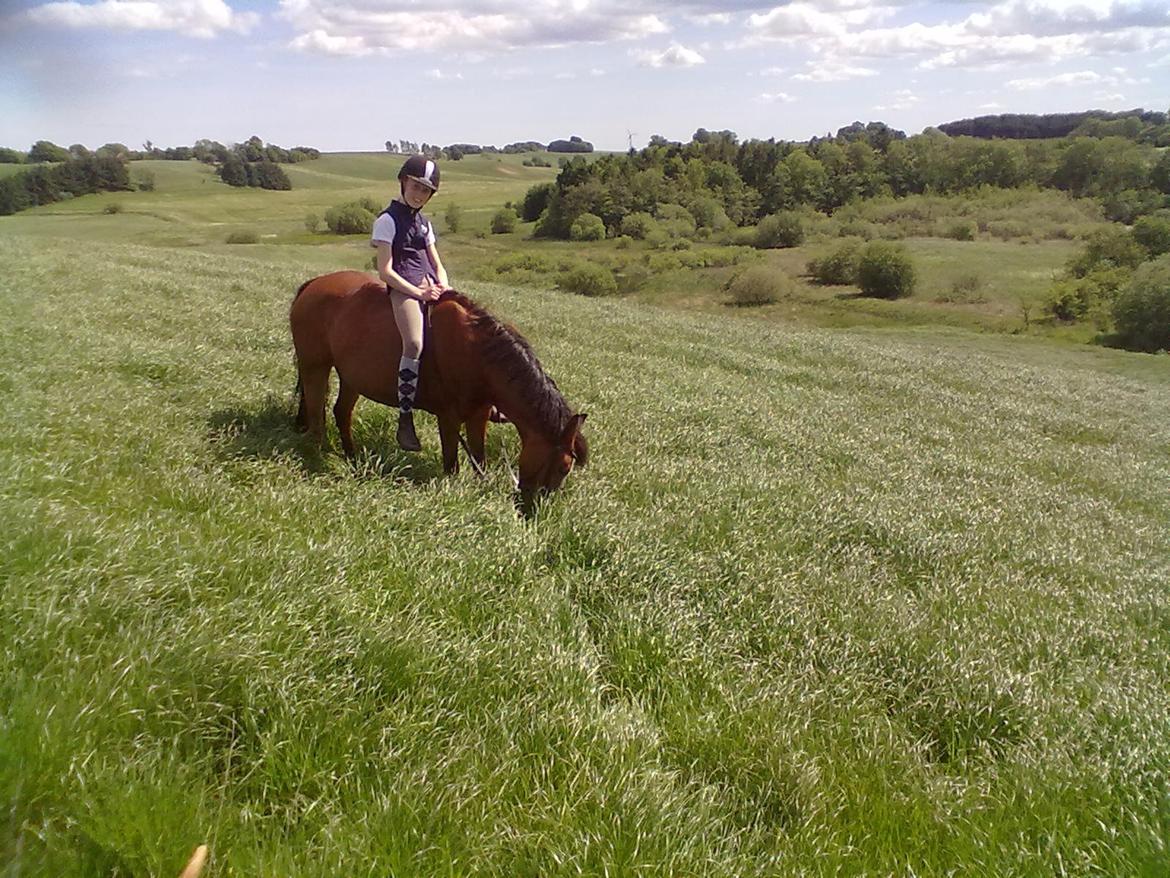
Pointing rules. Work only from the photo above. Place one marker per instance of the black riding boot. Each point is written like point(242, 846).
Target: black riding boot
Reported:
point(407, 438)
point(407, 386)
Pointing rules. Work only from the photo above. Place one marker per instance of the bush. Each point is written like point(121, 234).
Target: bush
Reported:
point(349, 219)
point(587, 227)
point(884, 270)
point(1142, 309)
point(1091, 295)
point(1153, 233)
point(779, 230)
point(453, 217)
point(838, 266)
point(759, 285)
point(709, 213)
point(535, 201)
point(638, 224)
point(1108, 248)
point(588, 279)
point(247, 236)
point(312, 222)
point(675, 221)
point(504, 221)
point(144, 180)
point(964, 230)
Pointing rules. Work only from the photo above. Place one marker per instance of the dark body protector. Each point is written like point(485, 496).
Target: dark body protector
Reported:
point(412, 233)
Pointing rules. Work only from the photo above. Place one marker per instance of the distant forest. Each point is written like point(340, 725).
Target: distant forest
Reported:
point(720, 180)
point(1141, 125)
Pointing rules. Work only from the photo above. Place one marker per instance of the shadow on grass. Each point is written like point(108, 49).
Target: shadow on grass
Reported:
point(267, 432)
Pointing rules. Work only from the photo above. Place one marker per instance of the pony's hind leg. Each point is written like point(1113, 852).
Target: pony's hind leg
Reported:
point(314, 389)
point(347, 398)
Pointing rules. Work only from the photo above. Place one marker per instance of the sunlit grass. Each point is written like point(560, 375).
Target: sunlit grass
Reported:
point(824, 602)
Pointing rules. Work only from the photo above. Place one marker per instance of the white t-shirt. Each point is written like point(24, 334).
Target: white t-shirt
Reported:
point(384, 229)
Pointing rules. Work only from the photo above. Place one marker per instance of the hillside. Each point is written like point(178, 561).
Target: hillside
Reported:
point(825, 601)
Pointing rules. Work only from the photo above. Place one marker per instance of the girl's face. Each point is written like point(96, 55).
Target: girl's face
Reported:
point(415, 193)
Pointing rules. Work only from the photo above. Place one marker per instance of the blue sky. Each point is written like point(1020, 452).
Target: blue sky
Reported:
point(350, 74)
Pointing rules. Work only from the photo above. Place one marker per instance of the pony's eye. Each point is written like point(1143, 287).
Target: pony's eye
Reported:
point(566, 467)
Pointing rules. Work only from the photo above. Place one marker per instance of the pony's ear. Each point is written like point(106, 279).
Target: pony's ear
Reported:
point(569, 435)
point(571, 439)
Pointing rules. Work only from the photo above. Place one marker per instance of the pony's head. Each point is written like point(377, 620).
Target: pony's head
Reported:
point(545, 463)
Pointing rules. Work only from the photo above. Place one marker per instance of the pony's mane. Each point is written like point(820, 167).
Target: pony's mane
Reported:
point(506, 349)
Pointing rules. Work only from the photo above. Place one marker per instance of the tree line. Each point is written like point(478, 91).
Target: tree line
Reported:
point(756, 178)
point(1138, 124)
point(456, 151)
point(45, 184)
point(210, 152)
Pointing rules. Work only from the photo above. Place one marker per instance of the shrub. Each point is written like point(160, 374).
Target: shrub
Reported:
point(1153, 233)
point(453, 217)
point(247, 236)
point(675, 221)
point(964, 230)
point(1092, 294)
point(112, 208)
point(838, 266)
point(1114, 247)
point(312, 222)
point(884, 270)
point(504, 221)
point(587, 227)
point(1142, 309)
point(779, 230)
point(512, 262)
point(144, 180)
point(588, 279)
point(759, 285)
point(349, 219)
point(708, 213)
point(535, 201)
point(638, 224)
point(1129, 204)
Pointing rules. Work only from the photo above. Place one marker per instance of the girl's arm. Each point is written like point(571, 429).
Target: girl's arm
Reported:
point(440, 272)
point(396, 281)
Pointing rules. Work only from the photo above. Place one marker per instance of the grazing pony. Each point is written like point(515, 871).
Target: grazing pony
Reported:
point(471, 362)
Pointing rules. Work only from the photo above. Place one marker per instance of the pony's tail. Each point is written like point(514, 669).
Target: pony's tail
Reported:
point(302, 420)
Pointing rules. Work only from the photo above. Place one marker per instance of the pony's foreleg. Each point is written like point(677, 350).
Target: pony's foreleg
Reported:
point(314, 389)
point(449, 437)
point(477, 425)
point(347, 398)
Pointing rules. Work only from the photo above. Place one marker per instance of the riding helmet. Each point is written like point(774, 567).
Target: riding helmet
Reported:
point(421, 170)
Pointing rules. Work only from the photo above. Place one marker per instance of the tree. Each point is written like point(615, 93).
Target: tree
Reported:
point(234, 171)
point(1141, 311)
point(11, 156)
point(47, 151)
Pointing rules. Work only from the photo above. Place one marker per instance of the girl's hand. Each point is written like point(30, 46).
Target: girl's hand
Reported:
point(429, 291)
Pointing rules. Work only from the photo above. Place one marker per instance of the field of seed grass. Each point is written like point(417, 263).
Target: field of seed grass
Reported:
point(825, 601)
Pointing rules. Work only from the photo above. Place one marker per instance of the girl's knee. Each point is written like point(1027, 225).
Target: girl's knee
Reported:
point(412, 348)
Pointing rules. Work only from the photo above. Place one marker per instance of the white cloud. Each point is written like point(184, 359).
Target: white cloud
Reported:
point(1008, 33)
point(442, 75)
point(773, 71)
point(675, 56)
point(390, 26)
point(196, 18)
point(778, 97)
point(321, 43)
point(1082, 77)
point(832, 71)
point(903, 100)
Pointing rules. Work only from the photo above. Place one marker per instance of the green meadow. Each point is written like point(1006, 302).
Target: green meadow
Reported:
point(848, 588)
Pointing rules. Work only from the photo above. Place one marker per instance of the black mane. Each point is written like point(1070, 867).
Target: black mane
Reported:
point(506, 349)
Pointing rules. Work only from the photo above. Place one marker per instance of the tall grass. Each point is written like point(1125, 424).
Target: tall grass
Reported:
point(823, 603)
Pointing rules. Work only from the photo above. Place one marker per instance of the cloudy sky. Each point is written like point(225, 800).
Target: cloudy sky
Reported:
point(350, 74)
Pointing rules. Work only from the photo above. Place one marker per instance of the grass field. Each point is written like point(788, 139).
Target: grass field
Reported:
point(867, 601)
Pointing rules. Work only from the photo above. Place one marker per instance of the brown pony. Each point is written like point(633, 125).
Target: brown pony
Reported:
point(470, 363)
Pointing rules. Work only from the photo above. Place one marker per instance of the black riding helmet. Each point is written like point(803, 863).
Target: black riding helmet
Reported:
point(421, 170)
